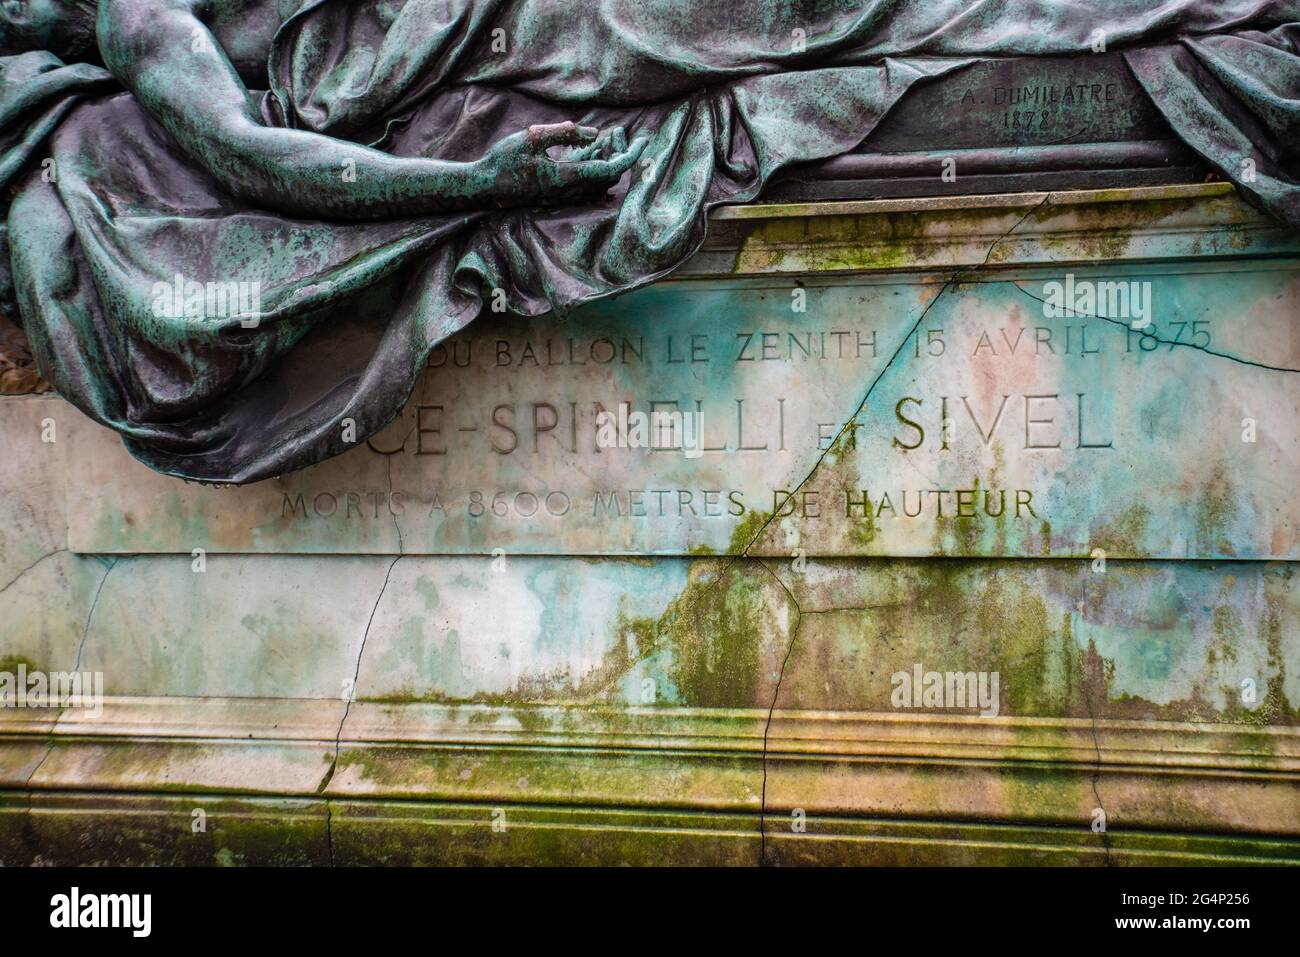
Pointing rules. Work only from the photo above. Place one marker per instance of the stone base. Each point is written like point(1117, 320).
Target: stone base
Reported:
point(484, 784)
point(294, 695)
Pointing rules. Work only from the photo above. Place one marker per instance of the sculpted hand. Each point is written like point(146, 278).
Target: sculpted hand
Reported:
point(522, 172)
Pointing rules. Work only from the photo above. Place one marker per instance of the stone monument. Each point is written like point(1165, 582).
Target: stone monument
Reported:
point(884, 452)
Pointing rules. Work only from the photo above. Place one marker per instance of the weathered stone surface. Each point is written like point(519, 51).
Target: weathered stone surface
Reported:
point(32, 520)
point(1167, 640)
point(80, 830)
point(268, 627)
point(430, 783)
point(703, 633)
point(672, 707)
point(1172, 641)
point(46, 591)
point(886, 414)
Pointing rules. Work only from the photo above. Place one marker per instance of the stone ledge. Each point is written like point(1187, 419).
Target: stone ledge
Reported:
point(1206, 220)
point(1022, 200)
point(1163, 776)
point(238, 721)
point(80, 828)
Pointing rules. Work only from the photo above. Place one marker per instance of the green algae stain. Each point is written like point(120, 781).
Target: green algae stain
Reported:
point(1124, 535)
point(1216, 508)
point(1269, 706)
point(715, 633)
point(10, 664)
point(1226, 624)
point(863, 531)
point(746, 533)
point(1023, 655)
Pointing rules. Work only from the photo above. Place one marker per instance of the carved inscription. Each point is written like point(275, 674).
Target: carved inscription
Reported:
point(1014, 417)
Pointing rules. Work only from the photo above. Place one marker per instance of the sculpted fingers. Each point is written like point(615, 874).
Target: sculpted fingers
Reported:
point(578, 177)
point(611, 140)
point(610, 170)
point(602, 159)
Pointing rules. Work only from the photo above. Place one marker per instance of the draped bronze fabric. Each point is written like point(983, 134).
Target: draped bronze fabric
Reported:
point(348, 311)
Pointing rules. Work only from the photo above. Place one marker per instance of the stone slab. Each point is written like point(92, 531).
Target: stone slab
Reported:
point(1064, 434)
point(674, 707)
point(1163, 641)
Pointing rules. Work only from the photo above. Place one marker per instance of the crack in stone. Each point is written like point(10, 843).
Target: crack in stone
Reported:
point(837, 609)
point(85, 631)
point(397, 526)
point(347, 708)
point(851, 423)
point(1164, 342)
point(1096, 778)
point(12, 581)
point(49, 749)
point(845, 429)
point(329, 772)
point(958, 276)
point(776, 694)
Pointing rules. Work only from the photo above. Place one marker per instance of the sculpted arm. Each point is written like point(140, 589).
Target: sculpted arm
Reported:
point(162, 51)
